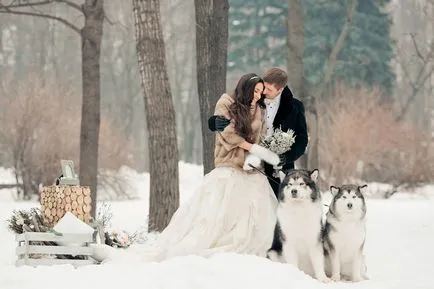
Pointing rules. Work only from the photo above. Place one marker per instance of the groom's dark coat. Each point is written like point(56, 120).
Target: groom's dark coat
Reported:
point(290, 115)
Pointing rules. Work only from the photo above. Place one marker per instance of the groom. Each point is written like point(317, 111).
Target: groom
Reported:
point(282, 111)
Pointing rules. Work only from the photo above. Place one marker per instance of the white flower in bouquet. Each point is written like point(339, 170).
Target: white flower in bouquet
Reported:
point(279, 141)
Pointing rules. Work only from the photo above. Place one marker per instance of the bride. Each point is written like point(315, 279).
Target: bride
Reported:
point(234, 209)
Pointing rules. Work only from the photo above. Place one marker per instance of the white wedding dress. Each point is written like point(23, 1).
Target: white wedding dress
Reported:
point(231, 211)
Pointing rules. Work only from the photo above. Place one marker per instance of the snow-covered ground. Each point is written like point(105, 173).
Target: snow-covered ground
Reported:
point(399, 252)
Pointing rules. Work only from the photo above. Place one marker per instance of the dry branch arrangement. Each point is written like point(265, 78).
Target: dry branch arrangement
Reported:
point(32, 221)
point(27, 221)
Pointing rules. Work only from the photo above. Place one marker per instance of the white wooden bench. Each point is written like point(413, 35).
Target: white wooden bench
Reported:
point(78, 247)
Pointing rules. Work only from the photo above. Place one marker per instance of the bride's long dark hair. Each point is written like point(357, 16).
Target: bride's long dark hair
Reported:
point(240, 109)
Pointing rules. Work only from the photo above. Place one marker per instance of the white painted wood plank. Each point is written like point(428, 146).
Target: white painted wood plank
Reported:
point(37, 236)
point(62, 250)
point(49, 262)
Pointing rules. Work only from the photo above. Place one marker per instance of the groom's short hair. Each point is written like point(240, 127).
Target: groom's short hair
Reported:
point(276, 76)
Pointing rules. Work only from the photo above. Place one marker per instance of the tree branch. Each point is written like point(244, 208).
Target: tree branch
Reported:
point(421, 78)
point(26, 4)
point(331, 62)
point(67, 23)
point(70, 4)
point(416, 47)
point(415, 90)
point(10, 186)
point(40, 3)
point(404, 68)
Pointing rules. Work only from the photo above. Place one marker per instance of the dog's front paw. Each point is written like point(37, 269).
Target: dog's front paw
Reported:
point(357, 278)
point(324, 279)
point(365, 276)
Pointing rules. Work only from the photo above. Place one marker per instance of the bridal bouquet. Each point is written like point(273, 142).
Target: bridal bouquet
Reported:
point(278, 142)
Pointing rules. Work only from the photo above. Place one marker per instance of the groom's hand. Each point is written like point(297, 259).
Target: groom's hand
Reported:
point(217, 123)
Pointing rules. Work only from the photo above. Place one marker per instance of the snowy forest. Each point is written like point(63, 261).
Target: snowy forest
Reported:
point(125, 88)
point(73, 86)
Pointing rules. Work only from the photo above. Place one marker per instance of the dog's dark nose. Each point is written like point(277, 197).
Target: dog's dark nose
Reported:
point(349, 205)
point(294, 193)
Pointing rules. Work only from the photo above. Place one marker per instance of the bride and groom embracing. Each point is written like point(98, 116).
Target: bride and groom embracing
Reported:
point(234, 209)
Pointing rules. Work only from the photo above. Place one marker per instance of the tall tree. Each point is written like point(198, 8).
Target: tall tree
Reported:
point(160, 114)
point(211, 48)
point(91, 37)
point(364, 54)
point(256, 34)
point(359, 53)
point(295, 39)
point(297, 67)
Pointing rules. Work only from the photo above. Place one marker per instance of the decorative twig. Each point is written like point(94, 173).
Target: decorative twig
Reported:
point(35, 223)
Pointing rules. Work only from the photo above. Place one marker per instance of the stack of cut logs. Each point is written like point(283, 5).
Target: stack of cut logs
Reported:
point(57, 200)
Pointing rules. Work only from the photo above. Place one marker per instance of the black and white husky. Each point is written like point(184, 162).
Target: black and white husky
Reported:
point(344, 234)
point(297, 236)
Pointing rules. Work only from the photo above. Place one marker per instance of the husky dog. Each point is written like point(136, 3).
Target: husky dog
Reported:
point(344, 234)
point(297, 235)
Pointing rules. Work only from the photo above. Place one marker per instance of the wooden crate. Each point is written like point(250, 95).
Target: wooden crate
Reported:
point(46, 254)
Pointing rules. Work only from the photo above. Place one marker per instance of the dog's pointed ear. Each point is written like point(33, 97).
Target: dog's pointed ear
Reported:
point(282, 176)
point(314, 175)
point(363, 189)
point(334, 190)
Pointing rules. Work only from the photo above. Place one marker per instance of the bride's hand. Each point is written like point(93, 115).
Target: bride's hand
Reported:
point(263, 153)
point(256, 98)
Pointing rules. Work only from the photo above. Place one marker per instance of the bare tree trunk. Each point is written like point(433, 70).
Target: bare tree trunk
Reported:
point(295, 39)
point(160, 114)
point(295, 42)
point(211, 50)
point(91, 37)
point(339, 45)
point(318, 91)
